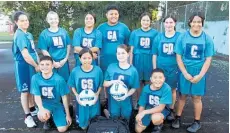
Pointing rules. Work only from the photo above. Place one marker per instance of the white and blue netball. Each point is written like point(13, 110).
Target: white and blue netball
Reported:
point(87, 98)
point(118, 90)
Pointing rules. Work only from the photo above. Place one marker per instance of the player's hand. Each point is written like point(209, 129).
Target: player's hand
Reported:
point(78, 100)
point(57, 65)
point(37, 68)
point(139, 117)
point(117, 81)
point(123, 98)
point(44, 114)
point(95, 56)
point(63, 61)
point(196, 79)
point(188, 76)
point(68, 120)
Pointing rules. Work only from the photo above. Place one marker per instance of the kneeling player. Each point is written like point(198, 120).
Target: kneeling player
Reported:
point(49, 88)
point(152, 103)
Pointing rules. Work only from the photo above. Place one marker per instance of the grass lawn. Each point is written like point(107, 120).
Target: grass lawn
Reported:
point(5, 36)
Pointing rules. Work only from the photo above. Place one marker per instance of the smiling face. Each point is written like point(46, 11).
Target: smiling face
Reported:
point(89, 20)
point(122, 55)
point(145, 22)
point(22, 22)
point(86, 59)
point(196, 24)
point(112, 16)
point(52, 19)
point(157, 79)
point(46, 66)
point(169, 25)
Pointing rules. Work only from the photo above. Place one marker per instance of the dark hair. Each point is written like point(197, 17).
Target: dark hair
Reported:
point(48, 58)
point(94, 16)
point(146, 14)
point(199, 14)
point(125, 47)
point(16, 16)
point(85, 50)
point(158, 70)
point(112, 7)
point(170, 16)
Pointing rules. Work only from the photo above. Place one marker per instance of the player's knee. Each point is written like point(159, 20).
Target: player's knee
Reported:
point(157, 118)
point(139, 128)
point(62, 129)
point(196, 99)
point(183, 97)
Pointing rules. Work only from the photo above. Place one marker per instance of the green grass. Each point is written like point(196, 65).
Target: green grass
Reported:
point(5, 36)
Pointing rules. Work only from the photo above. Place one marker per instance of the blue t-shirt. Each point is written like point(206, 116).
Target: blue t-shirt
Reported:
point(84, 40)
point(81, 80)
point(194, 50)
point(23, 40)
point(112, 36)
point(152, 98)
point(51, 90)
point(164, 49)
point(142, 41)
point(129, 76)
point(55, 43)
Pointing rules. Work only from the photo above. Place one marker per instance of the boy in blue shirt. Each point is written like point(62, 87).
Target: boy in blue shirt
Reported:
point(48, 89)
point(152, 103)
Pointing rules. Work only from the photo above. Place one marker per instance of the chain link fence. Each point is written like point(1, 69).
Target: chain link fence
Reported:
point(216, 20)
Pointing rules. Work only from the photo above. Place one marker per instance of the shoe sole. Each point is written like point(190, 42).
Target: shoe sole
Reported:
point(194, 131)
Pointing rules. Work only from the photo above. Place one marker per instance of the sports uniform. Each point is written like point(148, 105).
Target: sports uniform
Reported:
point(166, 57)
point(81, 80)
point(151, 98)
point(51, 90)
point(84, 40)
point(142, 41)
point(130, 78)
point(112, 36)
point(23, 70)
point(56, 44)
point(194, 51)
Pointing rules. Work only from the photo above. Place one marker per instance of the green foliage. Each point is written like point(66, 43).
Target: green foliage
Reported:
point(71, 13)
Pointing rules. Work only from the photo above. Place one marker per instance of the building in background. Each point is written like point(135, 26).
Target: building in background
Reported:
point(5, 24)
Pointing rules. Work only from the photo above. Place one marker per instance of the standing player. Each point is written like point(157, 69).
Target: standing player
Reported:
point(127, 74)
point(86, 77)
point(49, 88)
point(194, 50)
point(87, 37)
point(141, 41)
point(55, 42)
point(152, 103)
point(26, 60)
point(165, 58)
point(114, 33)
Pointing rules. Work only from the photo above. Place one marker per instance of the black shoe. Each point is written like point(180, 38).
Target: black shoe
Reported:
point(176, 123)
point(71, 111)
point(194, 127)
point(171, 116)
point(47, 125)
point(157, 128)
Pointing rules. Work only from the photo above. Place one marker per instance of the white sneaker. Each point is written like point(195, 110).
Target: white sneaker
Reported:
point(29, 121)
point(35, 112)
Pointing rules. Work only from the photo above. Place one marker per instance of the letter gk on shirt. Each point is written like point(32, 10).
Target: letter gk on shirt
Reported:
point(47, 92)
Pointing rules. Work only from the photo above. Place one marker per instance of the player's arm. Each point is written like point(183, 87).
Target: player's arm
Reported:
point(182, 67)
point(63, 61)
point(141, 108)
point(99, 90)
point(45, 53)
point(74, 92)
point(131, 55)
point(111, 82)
point(94, 49)
point(38, 101)
point(154, 61)
point(28, 58)
point(77, 49)
point(66, 106)
point(157, 109)
point(130, 92)
point(203, 71)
